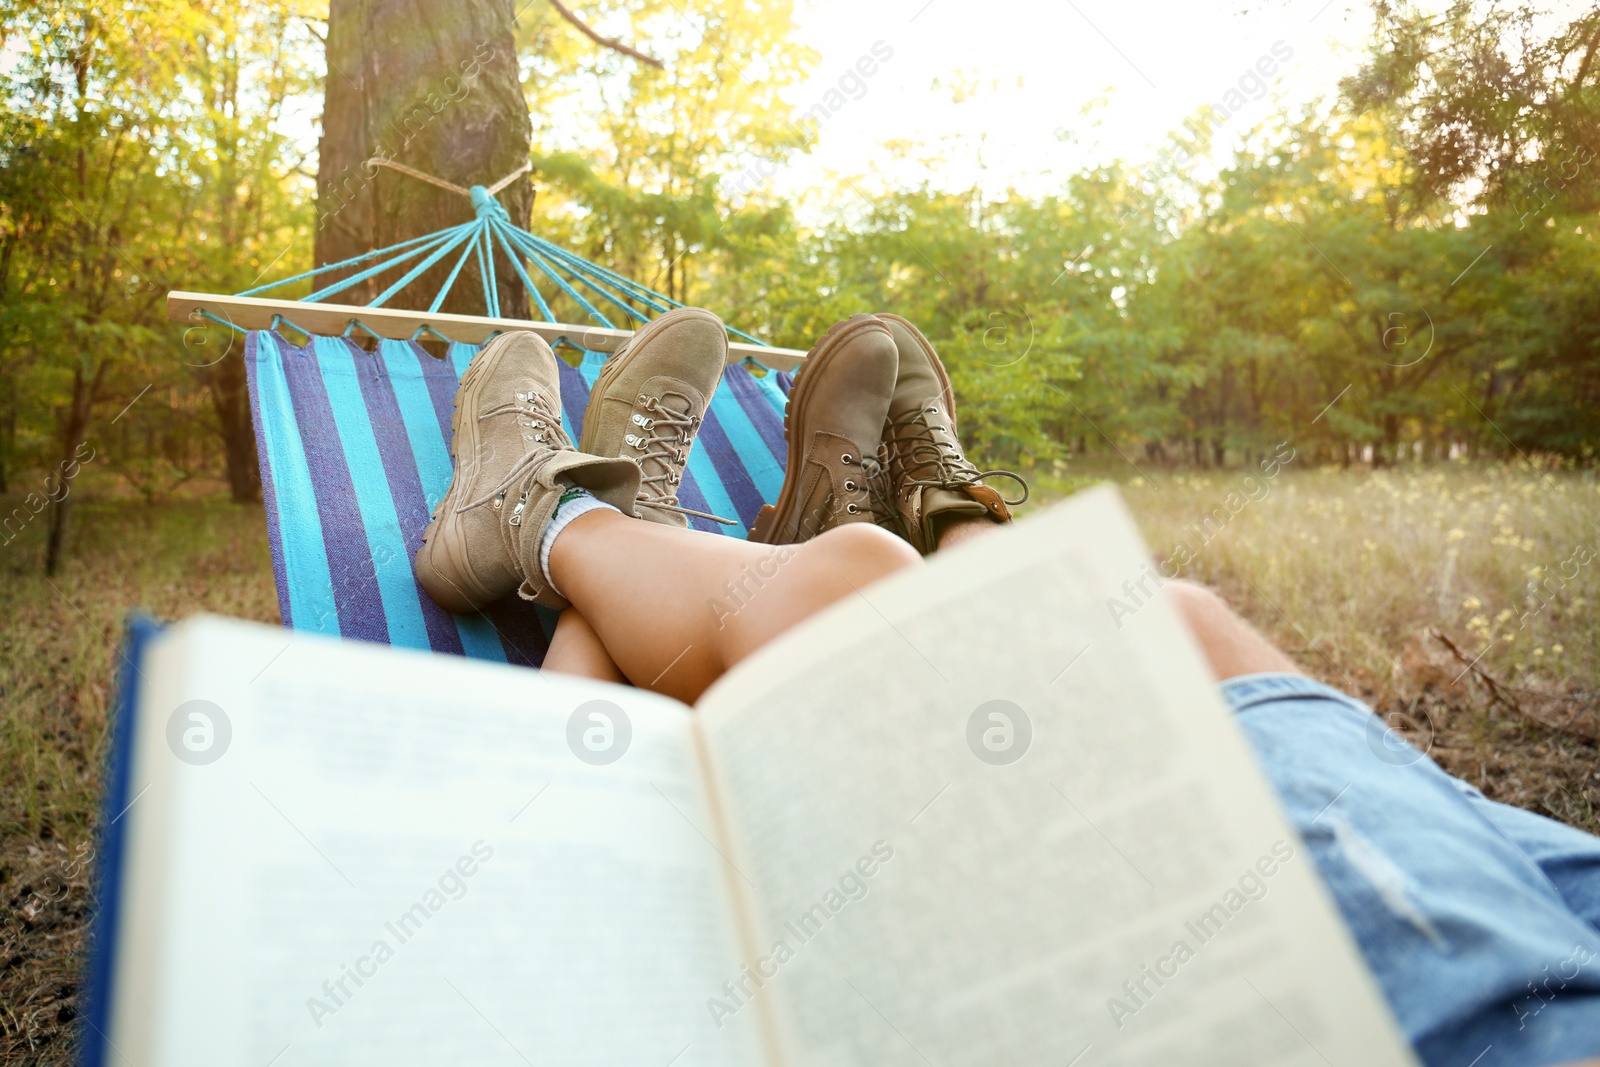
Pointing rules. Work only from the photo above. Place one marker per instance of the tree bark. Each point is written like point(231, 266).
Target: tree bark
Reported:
point(74, 428)
point(230, 401)
point(436, 87)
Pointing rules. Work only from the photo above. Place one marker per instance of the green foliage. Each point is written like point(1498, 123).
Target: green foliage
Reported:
point(142, 150)
point(1409, 271)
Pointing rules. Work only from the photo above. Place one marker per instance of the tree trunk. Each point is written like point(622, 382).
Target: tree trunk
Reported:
point(73, 430)
point(8, 439)
point(435, 87)
point(230, 399)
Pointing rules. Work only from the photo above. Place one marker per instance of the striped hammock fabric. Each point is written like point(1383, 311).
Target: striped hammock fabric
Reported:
point(355, 452)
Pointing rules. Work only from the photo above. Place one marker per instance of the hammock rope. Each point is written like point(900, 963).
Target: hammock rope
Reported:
point(491, 227)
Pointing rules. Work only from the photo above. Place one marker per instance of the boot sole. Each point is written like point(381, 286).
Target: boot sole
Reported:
point(446, 593)
point(768, 518)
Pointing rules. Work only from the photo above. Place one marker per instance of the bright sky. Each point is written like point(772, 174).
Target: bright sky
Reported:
point(1039, 63)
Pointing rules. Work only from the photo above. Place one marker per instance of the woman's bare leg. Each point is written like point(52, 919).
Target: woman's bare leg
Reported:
point(677, 608)
point(576, 649)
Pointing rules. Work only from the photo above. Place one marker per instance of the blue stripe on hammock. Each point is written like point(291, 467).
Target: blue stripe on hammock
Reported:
point(754, 452)
point(760, 399)
point(714, 442)
point(405, 488)
point(387, 564)
point(269, 487)
point(306, 581)
point(355, 592)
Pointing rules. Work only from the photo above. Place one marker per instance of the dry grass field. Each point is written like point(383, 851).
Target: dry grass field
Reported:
point(1462, 603)
point(1355, 572)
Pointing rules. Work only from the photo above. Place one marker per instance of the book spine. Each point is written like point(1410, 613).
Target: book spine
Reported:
point(93, 1038)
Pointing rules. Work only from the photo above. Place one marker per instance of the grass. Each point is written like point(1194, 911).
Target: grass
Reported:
point(58, 649)
point(1356, 572)
point(1352, 571)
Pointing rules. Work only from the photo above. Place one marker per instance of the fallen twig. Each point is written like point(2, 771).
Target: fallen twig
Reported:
point(1497, 689)
point(1576, 719)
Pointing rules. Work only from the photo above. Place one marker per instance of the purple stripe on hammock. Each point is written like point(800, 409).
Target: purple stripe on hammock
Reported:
point(725, 461)
point(690, 496)
point(520, 628)
point(269, 489)
point(405, 484)
point(440, 379)
point(344, 536)
point(574, 396)
point(758, 409)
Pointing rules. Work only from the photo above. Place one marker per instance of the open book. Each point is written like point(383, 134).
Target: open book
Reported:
point(967, 817)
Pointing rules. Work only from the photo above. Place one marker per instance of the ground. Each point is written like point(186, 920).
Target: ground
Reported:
point(1362, 576)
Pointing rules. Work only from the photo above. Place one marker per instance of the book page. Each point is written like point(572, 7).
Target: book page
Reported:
point(985, 823)
point(398, 858)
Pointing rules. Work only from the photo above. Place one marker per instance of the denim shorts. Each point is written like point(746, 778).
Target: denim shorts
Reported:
point(1480, 921)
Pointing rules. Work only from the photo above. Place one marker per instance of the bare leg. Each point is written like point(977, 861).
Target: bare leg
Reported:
point(576, 649)
point(1232, 646)
point(675, 608)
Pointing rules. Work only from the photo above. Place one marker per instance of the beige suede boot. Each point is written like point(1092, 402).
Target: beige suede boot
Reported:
point(513, 461)
point(649, 401)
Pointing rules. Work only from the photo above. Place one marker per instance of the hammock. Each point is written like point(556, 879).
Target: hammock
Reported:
point(354, 445)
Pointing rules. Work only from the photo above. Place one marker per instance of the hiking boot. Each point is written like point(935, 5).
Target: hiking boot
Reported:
point(512, 463)
point(930, 479)
point(649, 401)
point(834, 422)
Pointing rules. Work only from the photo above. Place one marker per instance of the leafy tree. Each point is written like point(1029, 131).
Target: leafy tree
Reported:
point(142, 152)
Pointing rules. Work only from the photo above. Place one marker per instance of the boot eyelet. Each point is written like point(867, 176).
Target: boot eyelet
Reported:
point(849, 486)
point(852, 509)
point(845, 458)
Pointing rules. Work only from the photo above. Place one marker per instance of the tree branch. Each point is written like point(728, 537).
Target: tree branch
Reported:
point(605, 42)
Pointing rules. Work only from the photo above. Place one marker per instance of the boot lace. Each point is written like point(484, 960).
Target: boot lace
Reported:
point(928, 456)
point(544, 421)
point(880, 490)
point(663, 438)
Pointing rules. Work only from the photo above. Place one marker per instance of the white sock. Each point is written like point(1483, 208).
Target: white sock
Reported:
point(574, 502)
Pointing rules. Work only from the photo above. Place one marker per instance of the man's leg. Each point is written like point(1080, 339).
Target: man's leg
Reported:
point(1231, 645)
point(1568, 857)
point(1484, 959)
